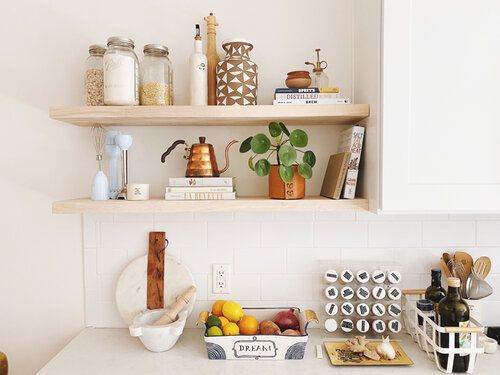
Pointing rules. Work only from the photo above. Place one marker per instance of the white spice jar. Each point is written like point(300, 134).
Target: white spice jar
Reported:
point(121, 72)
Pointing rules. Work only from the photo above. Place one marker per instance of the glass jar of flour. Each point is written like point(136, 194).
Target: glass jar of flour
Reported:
point(121, 72)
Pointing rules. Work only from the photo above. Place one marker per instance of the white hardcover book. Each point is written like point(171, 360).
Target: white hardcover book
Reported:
point(199, 196)
point(351, 140)
point(312, 101)
point(201, 181)
point(199, 189)
point(307, 96)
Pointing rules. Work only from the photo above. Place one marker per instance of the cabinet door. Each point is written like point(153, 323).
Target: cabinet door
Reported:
point(440, 144)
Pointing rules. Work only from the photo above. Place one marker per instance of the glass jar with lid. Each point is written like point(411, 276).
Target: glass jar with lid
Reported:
point(121, 72)
point(156, 76)
point(94, 75)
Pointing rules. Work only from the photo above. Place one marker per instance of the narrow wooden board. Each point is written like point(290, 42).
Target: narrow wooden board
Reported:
point(333, 114)
point(156, 268)
point(401, 359)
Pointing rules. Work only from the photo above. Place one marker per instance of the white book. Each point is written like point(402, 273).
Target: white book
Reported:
point(199, 196)
point(307, 96)
point(199, 189)
point(201, 181)
point(351, 140)
point(312, 101)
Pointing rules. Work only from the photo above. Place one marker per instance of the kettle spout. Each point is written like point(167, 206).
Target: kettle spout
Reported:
point(226, 156)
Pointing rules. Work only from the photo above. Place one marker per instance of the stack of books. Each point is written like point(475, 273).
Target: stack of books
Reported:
point(311, 95)
point(205, 188)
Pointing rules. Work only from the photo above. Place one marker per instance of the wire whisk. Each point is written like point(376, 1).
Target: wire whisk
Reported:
point(99, 137)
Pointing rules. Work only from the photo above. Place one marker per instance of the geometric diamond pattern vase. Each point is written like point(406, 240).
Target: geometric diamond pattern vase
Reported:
point(237, 75)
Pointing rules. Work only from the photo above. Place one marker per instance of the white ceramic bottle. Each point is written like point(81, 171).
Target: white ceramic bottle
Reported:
point(198, 92)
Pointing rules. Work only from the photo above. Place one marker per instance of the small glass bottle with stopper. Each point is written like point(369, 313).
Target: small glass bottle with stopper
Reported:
point(319, 77)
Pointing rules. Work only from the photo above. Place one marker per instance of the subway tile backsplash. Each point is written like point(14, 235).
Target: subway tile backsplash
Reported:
point(277, 258)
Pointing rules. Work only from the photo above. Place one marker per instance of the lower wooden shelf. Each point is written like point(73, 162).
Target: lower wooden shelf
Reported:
point(242, 204)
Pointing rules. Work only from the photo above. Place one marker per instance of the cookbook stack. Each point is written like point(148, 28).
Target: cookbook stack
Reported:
point(195, 188)
point(311, 95)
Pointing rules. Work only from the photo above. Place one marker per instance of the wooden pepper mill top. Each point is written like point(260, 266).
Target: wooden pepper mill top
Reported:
point(212, 58)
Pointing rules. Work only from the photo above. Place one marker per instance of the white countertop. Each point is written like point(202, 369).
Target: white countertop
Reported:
point(113, 351)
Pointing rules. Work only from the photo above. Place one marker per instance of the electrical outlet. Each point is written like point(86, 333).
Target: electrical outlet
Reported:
point(221, 278)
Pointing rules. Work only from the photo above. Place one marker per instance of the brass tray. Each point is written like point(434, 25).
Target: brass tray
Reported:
point(401, 359)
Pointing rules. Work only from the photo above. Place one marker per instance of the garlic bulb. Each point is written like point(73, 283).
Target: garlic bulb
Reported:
point(385, 349)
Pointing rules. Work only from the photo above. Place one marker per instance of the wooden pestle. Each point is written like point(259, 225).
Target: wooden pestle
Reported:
point(170, 315)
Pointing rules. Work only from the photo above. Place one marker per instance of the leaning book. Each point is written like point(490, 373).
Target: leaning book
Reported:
point(351, 140)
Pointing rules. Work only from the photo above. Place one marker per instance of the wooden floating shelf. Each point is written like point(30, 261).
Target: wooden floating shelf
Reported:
point(243, 204)
point(334, 114)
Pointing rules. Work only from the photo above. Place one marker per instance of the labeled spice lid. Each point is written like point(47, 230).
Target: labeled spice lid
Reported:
point(331, 292)
point(394, 309)
point(331, 276)
point(347, 325)
point(362, 325)
point(394, 325)
point(378, 292)
point(394, 277)
point(378, 276)
point(378, 326)
point(331, 309)
point(347, 308)
point(394, 293)
point(378, 309)
point(425, 305)
point(363, 292)
point(346, 276)
point(347, 292)
point(362, 309)
point(331, 325)
point(120, 41)
point(362, 276)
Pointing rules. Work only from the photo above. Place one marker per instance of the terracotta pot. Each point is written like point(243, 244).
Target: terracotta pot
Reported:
point(296, 189)
point(299, 79)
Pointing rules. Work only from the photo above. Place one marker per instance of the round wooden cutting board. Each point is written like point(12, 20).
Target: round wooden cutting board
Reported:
point(131, 290)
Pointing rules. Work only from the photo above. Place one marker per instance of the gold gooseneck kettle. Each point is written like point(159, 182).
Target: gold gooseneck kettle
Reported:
point(201, 158)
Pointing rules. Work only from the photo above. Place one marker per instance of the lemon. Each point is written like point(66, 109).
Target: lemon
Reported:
point(231, 329)
point(232, 311)
point(214, 331)
point(217, 307)
point(223, 321)
point(213, 321)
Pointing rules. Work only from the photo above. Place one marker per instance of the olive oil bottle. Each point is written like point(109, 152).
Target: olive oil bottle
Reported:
point(435, 292)
point(453, 311)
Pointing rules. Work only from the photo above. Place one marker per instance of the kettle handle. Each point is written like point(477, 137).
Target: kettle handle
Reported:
point(171, 148)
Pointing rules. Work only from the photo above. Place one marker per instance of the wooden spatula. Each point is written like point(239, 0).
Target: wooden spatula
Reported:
point(466, 260)
point(482, 267)
point(156, 270)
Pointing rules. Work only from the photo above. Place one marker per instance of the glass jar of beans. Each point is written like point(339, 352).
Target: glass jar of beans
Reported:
point(94, 77)
point(156, 76)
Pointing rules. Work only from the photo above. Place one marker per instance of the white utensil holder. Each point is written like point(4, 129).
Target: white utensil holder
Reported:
point(428, 343)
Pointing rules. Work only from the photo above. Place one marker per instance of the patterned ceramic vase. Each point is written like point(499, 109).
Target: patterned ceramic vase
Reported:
point(237, 75)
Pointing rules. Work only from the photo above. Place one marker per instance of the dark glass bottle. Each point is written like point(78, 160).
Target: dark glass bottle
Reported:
point(453, 311)
point(435, 292)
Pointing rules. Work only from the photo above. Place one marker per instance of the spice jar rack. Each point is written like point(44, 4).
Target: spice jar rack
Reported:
point(427, 335)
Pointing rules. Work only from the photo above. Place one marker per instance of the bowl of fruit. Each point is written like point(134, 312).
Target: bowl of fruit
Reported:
point(263, 333)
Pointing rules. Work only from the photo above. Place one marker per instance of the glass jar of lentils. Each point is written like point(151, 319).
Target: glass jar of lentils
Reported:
point(121, 72)
point(156, 76)
point(94, 76)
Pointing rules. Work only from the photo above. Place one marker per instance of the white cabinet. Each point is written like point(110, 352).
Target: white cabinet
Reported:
point(439, 124)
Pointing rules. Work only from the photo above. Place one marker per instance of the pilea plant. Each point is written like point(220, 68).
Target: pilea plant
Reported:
point(286, 147)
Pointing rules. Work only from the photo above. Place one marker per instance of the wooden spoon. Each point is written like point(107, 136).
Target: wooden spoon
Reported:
point(448, 260)
point(482, 267)
point(466, 260)
point(445, 269)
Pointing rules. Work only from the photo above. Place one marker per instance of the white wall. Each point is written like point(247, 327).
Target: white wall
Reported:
point(44, 46)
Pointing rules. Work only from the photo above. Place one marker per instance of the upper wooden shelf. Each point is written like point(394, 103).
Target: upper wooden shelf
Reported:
point(335, 114)
point(242, 204)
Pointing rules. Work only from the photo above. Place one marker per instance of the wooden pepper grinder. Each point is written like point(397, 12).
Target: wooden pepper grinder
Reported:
point(212, 59)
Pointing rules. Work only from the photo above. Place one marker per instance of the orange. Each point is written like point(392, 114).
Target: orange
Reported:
point(248, 325)
point(217, 307)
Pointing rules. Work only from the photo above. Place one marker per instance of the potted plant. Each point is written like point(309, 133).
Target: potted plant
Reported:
point(287, 176)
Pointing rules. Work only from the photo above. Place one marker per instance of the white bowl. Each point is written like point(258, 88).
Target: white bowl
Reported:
point(157, 338)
